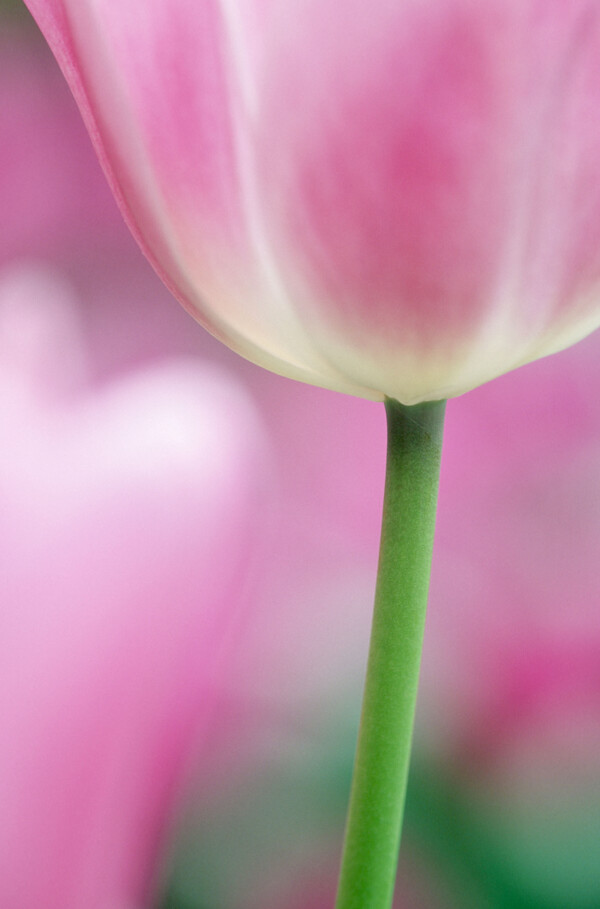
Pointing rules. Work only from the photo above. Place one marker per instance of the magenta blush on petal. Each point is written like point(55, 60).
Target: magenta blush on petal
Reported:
point(390, 186)
point(434, 196)
point(183, 112)
point(163, 127)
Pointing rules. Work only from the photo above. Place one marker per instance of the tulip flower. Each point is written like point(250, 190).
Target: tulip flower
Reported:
point(117, 507)
point(399, 201)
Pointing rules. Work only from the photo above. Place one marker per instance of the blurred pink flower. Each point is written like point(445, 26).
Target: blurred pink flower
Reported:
point(124, 522)
point(517, 536)
point(397, 199)
point(40, 136)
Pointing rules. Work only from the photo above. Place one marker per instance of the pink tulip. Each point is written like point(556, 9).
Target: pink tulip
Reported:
point(396, 199)
point(124, 518)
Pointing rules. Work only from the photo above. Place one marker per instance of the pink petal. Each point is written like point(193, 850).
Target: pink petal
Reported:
point(435, 183)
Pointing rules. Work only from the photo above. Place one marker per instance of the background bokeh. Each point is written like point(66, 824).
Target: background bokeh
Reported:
point(504, 797)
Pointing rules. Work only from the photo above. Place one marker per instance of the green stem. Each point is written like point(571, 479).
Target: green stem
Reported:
point(382, 757)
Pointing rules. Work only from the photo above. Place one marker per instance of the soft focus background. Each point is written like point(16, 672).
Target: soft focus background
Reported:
point(224, 786)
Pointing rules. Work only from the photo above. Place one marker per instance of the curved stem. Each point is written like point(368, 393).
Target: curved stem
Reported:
point(383, 752)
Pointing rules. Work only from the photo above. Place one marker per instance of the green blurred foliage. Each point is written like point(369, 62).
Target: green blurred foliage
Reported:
point(272, 831)
point(284, 820)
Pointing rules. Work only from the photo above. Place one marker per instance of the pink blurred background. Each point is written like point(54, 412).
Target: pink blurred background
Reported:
point(187, 562)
